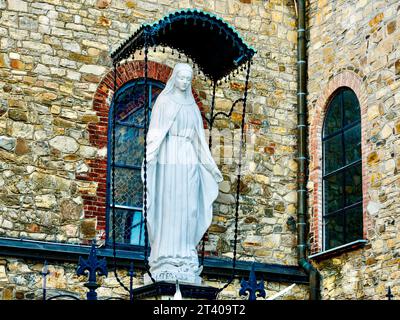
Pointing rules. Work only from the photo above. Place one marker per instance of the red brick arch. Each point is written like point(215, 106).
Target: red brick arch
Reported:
point(94, 200)
point(354, 82)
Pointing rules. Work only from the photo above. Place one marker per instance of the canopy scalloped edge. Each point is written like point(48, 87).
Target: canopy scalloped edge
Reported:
point(160, 32)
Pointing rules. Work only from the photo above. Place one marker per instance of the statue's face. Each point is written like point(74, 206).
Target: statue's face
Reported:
point(183, 80)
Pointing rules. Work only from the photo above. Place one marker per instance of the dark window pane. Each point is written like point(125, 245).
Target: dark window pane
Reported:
point(131, 104)
point(155, 91)
point(353, 184)
point(333, 197)
point(354, 224)
point(129, 145)
point(333, 120)
point(137, 230)
point(123, 225)
point(352, 144)
point(334, 231)
point(135, 118)
point(333, 153)
point(128, 187)
point(351, 107)
point(130, 101)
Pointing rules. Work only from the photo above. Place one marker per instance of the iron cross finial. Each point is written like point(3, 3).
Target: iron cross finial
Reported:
point(94, 267)
point(252, 286)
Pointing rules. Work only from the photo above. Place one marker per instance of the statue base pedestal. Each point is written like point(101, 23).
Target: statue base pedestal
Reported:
point(185, 270)
point(172, 276)
point(164, 290)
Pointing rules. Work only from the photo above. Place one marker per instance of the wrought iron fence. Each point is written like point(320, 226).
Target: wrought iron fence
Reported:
point(92, 267)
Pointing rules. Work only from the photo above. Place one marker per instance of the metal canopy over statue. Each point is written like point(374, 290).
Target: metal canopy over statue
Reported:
point(180, 177)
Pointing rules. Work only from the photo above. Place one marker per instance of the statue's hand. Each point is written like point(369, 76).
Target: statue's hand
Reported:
point(217, 175)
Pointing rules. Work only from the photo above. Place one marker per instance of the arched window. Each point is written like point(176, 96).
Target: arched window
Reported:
point(342, 175)
point(129, 135)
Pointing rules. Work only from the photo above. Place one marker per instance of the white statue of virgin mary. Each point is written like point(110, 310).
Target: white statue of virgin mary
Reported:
point(182, 181)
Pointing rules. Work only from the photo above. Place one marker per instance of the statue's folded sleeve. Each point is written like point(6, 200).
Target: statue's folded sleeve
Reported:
point(202, 149)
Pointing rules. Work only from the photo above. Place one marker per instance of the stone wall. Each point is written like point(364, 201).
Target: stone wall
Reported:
point(53, 56)
point(356, 44)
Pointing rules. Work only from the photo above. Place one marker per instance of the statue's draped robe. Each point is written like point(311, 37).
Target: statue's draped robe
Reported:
point(181, 188)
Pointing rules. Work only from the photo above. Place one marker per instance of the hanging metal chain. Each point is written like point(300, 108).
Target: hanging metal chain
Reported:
point(212, 115)
point(211, 123)
point(238, 180)
point(146, 110)
point(114, 122)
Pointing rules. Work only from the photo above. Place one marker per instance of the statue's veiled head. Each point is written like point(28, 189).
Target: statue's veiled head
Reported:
point(181, 79)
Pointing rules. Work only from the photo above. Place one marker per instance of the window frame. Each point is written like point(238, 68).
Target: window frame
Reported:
point(342, 169)
point(126, 86)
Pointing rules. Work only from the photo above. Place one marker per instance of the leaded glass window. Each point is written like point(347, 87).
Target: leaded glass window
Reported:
point(129, 139)
point(342, 177)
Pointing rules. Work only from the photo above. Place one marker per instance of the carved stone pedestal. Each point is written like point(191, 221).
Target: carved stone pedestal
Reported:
point(183, 276)
point(164, 290)
point(182, 269)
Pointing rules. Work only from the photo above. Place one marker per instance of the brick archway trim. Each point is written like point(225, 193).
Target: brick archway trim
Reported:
point(354, 82)
point(93, 184)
